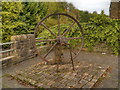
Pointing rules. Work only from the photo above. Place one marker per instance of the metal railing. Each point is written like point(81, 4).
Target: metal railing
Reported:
point(39, 38)
point(8, 54)
point(41, 43)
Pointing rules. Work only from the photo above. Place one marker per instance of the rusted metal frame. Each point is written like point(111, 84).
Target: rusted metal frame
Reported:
point(46, 40)
point(50, 50)
point(69, 17)
point(49, 30)
point(65, 15)
point(59, 25)
point(80, 48)
point(60, 49)
point(71, 54)
point(59, 14)
point(71, 49)
point(71, 57)
point(37, 49)
point(68, 28)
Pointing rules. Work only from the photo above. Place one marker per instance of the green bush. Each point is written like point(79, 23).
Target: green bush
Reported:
point(106, 32)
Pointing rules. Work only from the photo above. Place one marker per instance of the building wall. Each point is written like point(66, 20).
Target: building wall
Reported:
point(115, 10)
point(119, 10)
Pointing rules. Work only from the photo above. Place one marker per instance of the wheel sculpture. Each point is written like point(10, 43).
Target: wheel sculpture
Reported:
point(60, 40)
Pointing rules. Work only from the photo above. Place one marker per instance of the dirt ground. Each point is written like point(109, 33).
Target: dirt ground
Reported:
point(111, 80)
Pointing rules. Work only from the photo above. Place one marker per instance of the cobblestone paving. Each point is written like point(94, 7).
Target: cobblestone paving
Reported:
point(45, 76)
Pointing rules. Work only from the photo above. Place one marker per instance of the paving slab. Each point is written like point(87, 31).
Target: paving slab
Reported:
point(85, 75)
point(110, 81)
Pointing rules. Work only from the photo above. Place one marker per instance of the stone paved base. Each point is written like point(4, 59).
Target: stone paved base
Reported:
point(45, 76)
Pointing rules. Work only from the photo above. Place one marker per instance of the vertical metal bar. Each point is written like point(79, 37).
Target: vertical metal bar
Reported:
point(71, 50)
point(70, 54)
point(71, 57)
point(59, 57)
point(59, 25)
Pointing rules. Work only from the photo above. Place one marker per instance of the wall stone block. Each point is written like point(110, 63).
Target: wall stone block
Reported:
point(23, 47)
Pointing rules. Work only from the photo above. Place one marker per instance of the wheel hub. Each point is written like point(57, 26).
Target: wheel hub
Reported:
point(62, 40)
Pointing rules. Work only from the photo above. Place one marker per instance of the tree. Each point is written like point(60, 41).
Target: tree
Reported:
point(85, 16)
point(94, 12)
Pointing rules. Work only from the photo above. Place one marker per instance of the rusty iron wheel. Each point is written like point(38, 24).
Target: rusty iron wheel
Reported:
point(59, 39)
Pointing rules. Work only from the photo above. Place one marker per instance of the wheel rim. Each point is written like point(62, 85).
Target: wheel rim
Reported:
point(59, 36)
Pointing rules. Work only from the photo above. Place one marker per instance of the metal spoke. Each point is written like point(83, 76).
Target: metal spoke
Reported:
point(68, 29)
point(45, 40)
point(49, 29)
point(74, 38)
point(72, 50)
point(70, 54)
point(40, 55)
point(50, 50)
point(68, 47)
point(59, 25)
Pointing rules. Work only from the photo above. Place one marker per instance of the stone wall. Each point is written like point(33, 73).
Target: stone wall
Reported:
point(23, 47)
point(115, 10)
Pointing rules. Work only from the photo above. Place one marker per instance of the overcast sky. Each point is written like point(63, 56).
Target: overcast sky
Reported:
point(92, 5)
